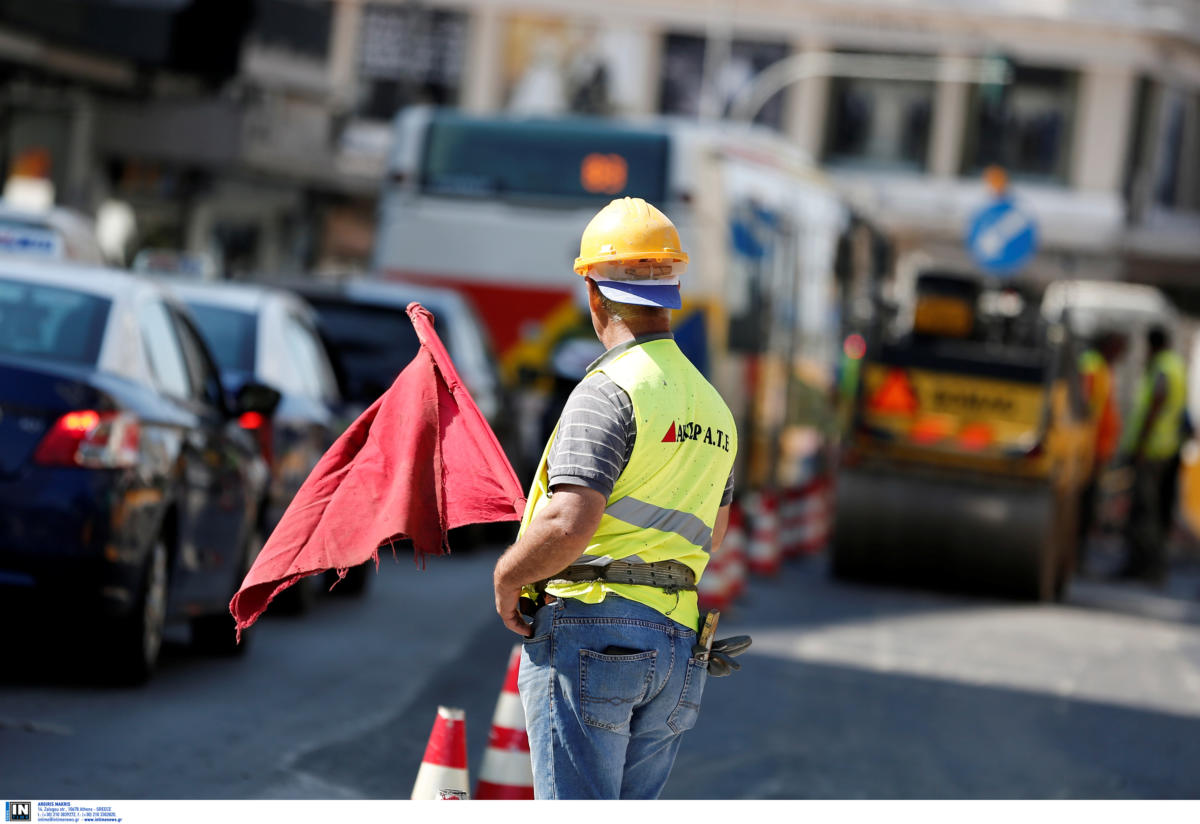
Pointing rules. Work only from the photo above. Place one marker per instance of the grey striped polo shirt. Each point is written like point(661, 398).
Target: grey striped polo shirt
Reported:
point(596, 431)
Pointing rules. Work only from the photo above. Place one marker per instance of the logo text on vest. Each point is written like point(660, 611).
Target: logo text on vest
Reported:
point(693, 431)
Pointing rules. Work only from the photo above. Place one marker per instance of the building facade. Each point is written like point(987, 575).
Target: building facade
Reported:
point(271, 157)
point(1096, 118)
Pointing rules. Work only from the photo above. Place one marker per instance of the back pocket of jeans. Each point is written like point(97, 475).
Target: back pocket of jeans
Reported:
point(610, 686)
point(687, 712)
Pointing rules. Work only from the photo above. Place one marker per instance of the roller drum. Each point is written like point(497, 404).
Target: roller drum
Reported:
point(966, 532)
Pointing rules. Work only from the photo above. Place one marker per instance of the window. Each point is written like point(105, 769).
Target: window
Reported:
point(315, 377)
point(1135, 158)
point(299, 26)
point(163, 350)
point(230, 335)
point(560, 160)
point(882, 123)
point(203, 375)
point(1177, 182)
point(1024, 125)
point(39, 321)
point(373, 344)
point(683, 75)
point(408, 55)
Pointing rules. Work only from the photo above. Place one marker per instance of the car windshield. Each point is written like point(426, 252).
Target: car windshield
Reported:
point(229, 334)
point(372, 344)
point(50, 322)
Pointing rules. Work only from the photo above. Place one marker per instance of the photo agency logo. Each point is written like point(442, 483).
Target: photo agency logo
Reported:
point(18, 811)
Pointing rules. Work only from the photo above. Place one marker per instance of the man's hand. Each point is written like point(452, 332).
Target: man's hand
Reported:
point(508, 607)
point(556, 537)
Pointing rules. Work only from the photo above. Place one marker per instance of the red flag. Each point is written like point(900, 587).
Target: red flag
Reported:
point(420, 461)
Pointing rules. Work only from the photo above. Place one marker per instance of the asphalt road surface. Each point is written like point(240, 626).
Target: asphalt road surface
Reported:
point(848, 692)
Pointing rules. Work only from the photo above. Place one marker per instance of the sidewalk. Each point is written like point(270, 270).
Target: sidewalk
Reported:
point(1176, 599)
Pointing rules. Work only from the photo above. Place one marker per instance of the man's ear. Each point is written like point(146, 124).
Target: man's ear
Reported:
point(593, 294)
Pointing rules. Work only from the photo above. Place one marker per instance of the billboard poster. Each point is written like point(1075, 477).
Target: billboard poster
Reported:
point(554, 65)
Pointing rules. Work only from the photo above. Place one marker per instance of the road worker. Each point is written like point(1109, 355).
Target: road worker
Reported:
point(1151, 443)
point(631, 496)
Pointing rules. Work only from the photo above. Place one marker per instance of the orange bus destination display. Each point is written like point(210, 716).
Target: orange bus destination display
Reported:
point(607, 173)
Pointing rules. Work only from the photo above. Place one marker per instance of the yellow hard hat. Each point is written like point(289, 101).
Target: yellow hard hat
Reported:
point(624, 235)
point(628, 229)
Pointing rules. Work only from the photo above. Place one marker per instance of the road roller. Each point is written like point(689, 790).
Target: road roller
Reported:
point(968, 446)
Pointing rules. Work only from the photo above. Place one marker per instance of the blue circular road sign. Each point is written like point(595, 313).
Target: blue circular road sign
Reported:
point(1001, 238)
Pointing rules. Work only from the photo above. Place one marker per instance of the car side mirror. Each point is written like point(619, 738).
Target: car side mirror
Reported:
point(256, 397)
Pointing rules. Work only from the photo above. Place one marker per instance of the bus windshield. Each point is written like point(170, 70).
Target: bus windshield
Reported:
point(562, 161)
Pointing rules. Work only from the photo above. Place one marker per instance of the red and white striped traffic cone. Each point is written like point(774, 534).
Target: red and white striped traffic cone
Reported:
point(816, 517)
point(507, 769)
point(763, 552)
point(714, 590)
point(735, 541)
point(791, 505)
point(444, 766)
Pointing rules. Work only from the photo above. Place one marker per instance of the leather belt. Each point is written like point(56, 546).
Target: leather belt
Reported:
point(669, 576)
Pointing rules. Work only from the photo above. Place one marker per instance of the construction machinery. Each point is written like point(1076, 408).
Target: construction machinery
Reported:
point(968, 443)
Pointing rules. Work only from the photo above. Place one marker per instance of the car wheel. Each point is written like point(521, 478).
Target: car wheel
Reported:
point(136, 639)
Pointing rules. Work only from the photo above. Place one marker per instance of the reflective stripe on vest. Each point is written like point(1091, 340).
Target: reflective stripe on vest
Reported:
point(648, 516)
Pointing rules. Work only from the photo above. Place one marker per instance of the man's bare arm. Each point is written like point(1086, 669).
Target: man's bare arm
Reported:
point(720, 527)
point(556, 537)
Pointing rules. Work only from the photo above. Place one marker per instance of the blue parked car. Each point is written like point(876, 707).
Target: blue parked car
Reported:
point(129, 494)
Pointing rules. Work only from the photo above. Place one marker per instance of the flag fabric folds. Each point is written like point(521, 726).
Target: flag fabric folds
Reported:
point(420, 461)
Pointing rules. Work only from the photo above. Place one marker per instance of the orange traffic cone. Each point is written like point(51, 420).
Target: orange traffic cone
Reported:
point(444, 766)
point(507, 771)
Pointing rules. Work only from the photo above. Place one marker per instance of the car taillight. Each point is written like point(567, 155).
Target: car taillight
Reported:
point(98, 440)
point(895, 396)
point(260, 425)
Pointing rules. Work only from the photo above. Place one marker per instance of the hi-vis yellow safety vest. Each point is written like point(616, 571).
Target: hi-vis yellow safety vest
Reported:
point(664, 504)
point(1165, 435)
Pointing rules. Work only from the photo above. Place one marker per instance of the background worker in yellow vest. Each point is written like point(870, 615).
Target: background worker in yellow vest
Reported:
point(1151, 443)
point(1096, 369)
point(631, 496)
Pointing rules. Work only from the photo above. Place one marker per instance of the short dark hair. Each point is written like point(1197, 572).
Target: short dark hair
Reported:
point(1158, 337)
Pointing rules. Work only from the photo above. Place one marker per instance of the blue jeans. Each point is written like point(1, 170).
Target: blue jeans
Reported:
point(607, 724)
